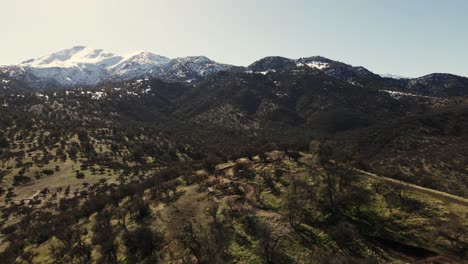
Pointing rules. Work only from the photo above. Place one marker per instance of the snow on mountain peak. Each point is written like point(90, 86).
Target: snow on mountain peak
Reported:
point(81, 65)
point(194, 59)
point(144, 57)
point(136, 65)
point(73, 57)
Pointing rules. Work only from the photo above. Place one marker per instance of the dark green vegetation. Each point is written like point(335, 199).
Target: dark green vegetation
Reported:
point(239, 168)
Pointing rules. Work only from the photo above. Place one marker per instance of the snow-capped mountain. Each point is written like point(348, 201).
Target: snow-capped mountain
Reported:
point(86, 66)
point(137, 65)
point(76, 56)
point(76, 66)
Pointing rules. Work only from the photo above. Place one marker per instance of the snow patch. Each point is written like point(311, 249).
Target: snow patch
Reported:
point(267, 71)
point(315, 64)
point(398, 95)
point(96, 95)
point(42, 96)
point(393, 76)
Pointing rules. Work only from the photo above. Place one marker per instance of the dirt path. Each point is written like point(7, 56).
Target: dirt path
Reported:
point(311, 160)
point(27, 198)
point(32, 196)
point(434, 193)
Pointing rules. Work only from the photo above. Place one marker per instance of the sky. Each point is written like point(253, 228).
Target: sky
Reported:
point(405, 37)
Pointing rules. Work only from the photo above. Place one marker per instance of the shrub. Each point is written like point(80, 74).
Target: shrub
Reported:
point(48, 172)
point(20, 179)
point(142, 242)
point(3, 142)
point(80, 175)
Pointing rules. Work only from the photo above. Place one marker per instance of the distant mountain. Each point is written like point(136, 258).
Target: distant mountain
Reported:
point(273, 63)
point(136, 65)
point(441, 84)
point(76, 56)
point(82, 66)
point(332, 68)
point(191, 68)
point(17, 78)
point(76, 66)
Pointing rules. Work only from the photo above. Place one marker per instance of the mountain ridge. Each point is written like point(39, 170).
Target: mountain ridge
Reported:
point(81, 66)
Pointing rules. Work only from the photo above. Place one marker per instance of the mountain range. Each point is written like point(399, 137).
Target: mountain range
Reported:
point(82, 66)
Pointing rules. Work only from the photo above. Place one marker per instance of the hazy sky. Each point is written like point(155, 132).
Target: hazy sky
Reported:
point(406, 37)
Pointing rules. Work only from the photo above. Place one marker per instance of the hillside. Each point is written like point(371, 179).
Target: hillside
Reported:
point(274, 208)
point(285, 161)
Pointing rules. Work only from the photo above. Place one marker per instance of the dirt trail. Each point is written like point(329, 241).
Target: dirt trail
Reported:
point(32, 196)
point(29, 198)
point(431, 192)
point(311, 160)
